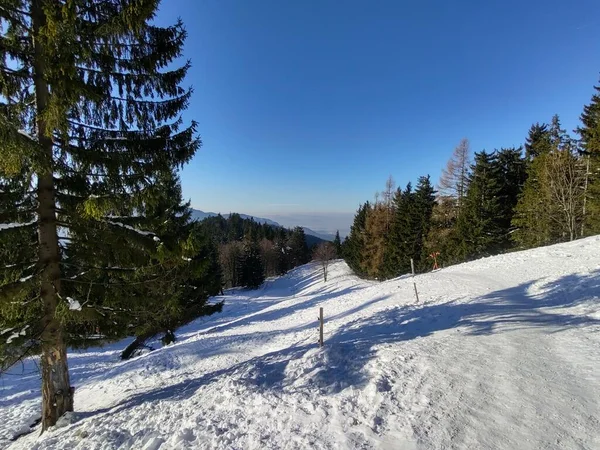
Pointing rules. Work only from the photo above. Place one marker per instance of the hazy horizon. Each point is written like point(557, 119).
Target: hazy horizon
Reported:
point(307, 107)
point(321, 222)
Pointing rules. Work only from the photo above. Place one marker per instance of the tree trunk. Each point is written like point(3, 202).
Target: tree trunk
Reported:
point(57, 394)
point(585, 189)
point(137, 343)
point(169, 337)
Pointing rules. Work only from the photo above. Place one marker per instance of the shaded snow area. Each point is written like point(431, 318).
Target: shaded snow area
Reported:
point(502, 353)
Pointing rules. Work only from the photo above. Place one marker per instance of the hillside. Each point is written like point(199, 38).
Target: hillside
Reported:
point(501, 353)
point(313, 237)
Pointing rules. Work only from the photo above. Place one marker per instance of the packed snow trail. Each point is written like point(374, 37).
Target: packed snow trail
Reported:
point(501, 353)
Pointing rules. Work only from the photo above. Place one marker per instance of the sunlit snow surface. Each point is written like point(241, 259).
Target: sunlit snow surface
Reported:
point(501, 353)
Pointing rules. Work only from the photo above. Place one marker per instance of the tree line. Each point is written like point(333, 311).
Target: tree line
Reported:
point(546, 192)
point(249, 251)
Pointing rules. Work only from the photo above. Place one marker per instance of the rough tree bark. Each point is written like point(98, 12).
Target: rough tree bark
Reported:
point(57, 394)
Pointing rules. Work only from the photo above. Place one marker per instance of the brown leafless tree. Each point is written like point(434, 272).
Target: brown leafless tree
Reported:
point(565, 181)
point(269, 256)
point(324, 253)
point(455, 176)
point(229, 258)
point(388, 201)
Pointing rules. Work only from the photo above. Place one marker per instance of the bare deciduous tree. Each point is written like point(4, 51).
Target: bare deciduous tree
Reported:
point(455, 176)
point(229, 258)
point(324, 253)
point(585, 193)
point(269, 256)
point(565, 181)
point(388, 201)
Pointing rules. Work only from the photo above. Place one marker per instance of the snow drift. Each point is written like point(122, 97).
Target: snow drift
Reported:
point(501, 353)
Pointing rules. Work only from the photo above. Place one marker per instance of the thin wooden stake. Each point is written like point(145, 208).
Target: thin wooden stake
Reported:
point(321, 327)
point(412, 267)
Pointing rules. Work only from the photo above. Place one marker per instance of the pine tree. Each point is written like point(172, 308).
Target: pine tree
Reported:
point(298, 250)
point(337, 244)
point(92, 87)
point(399, 243)
point(589, 131)
point(18, 252)
point(186, 270)
point(531, 220)
point(252, 273)
point(537, 142)
point(424, 204)
point(412, 223)
point(513, 173)
point(355, 241)
point(478, 229)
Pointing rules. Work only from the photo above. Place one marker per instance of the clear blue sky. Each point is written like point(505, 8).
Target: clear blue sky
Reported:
point(308, 105)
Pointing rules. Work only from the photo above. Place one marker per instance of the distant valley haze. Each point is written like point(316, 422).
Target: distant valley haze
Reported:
point(320, 224)
point(305, 109)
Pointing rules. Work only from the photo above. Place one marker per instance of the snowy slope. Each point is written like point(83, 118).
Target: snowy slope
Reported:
point(501, 353)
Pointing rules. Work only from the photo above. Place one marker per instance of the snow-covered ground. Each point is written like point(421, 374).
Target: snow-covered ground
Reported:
point(501, 353)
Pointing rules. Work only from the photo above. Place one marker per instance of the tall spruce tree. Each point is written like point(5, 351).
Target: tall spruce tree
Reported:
point(252, 269)
point(185, 270)
point(537, 142)
point(337, 244)
point(411, 226)
point(513, 173)
point(478, 229)
point(90, 110)
point(589, 132)
point(531, 219)
point(424, 204)
point(298, 250)
point(399, 244)
point(355, 242)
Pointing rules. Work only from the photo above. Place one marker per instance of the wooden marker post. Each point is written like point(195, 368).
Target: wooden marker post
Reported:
point(321, 327)
point(412, 267)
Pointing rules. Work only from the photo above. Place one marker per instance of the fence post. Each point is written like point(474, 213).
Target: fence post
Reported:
point(321, 327)
point(412, 267)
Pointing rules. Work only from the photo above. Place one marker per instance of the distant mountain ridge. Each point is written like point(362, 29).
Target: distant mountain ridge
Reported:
point(201, 215)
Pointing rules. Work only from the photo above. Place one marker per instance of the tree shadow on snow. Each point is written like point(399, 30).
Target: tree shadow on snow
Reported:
point(347, 351)
point(341, 363)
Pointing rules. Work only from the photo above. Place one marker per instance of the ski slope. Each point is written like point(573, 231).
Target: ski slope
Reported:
point(501, 353)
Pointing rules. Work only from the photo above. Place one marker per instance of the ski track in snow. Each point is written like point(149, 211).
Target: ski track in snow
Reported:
point(501, 353)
